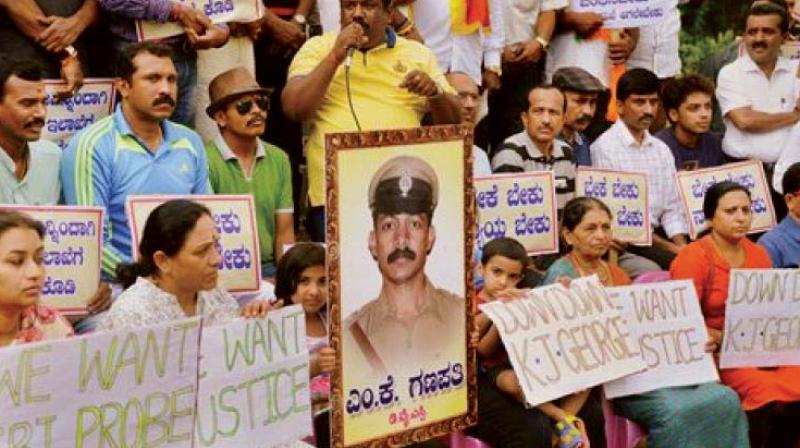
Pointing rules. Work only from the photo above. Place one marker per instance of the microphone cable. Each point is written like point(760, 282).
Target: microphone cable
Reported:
point(347, 64)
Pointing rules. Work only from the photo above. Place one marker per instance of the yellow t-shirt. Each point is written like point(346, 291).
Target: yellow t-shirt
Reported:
point(378, 101)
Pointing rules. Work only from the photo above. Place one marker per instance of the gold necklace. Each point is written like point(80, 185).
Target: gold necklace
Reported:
point(603, 271)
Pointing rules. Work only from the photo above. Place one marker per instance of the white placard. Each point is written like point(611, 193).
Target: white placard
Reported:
point(626, 13)
point(563, 340)
point(122, 388)
point(253, 388)
point(762, 319)
point(65, 118)
point(666, 321)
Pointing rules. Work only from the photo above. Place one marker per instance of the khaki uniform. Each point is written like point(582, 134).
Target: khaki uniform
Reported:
point(377, 344)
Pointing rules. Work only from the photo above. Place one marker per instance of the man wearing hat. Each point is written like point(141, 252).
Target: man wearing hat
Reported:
point(240, 163)
point(581, 90)
point(411, 325)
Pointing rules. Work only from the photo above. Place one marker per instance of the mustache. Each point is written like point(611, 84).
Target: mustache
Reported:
point(401, 253)
point(647, 117)
point(584, 119)
point(257, 120)
point(34, 122)
point(166, 99)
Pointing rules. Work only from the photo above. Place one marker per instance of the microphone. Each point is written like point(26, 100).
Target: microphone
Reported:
point(348, 62)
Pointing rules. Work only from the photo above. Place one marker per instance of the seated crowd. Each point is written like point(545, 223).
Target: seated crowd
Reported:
point(544, 71)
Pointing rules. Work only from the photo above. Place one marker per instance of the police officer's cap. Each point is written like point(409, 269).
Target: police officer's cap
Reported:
point(404, 184)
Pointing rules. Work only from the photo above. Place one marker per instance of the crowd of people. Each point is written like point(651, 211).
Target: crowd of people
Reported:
point(244, 108)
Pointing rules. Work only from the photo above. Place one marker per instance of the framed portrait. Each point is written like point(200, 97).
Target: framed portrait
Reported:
point(400, 234)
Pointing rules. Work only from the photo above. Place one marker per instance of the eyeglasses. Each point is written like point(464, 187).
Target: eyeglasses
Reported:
point(244, 106)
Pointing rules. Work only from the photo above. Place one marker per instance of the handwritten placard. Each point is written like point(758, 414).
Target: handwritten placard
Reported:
point(72, 245)
point(562, 340)
point(666, 321)
point(762, 319)
point(693, 185)
point(626, 195)
point(240, 268)
point(627, 14)
point(520, 206)
point(254, 382)
point(218, 11)
point(122, 388)
point(66, 117)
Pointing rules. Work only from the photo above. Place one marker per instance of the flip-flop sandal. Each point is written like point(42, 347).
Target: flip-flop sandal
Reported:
point(569, 436)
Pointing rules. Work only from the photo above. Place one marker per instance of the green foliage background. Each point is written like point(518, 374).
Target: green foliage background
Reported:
point(708, 27)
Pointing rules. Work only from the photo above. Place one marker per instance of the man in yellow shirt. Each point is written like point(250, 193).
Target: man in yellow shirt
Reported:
point(394, 82)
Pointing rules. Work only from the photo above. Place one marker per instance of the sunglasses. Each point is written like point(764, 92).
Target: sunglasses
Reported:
point(244, 106)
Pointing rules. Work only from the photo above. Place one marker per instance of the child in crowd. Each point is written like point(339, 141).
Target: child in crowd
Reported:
point(301, 280)
point(502, 421)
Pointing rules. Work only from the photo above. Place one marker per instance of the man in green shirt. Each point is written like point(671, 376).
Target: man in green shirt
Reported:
point(240, 163)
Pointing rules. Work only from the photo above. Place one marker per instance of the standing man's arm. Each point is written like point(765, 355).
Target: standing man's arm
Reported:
point(62, 32)
point(303, 94)
point(546, 25)
point(160, 11)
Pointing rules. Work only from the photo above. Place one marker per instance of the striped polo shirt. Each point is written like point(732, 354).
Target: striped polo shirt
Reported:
point(519, 154)
point(106, 162)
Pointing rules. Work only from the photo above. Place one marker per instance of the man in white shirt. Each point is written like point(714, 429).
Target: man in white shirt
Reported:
point(459, 46)
point(529, 26)
point(628, 146)
point(757, 93)
point(657, 49)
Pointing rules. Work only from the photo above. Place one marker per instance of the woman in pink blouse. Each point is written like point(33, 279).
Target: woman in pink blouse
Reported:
point(22, 318)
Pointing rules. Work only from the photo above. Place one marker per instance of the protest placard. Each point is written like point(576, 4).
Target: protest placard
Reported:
point(121, 388)
point(218, 11)
point(95, 100)
point(666, 321)
point(625, 13)
point(253, 388)
point(72, 245)
point(626, 195)
point(693, 185)
point(520, 206)
point(412, 184)
point(791, 49)
point(562, 340)
point(762, 319)
point(240, 268)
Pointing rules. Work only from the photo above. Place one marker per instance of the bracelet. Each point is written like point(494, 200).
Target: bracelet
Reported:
point(543, 42)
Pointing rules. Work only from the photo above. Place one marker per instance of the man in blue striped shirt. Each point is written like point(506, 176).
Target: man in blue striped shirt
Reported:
point(134, 151)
